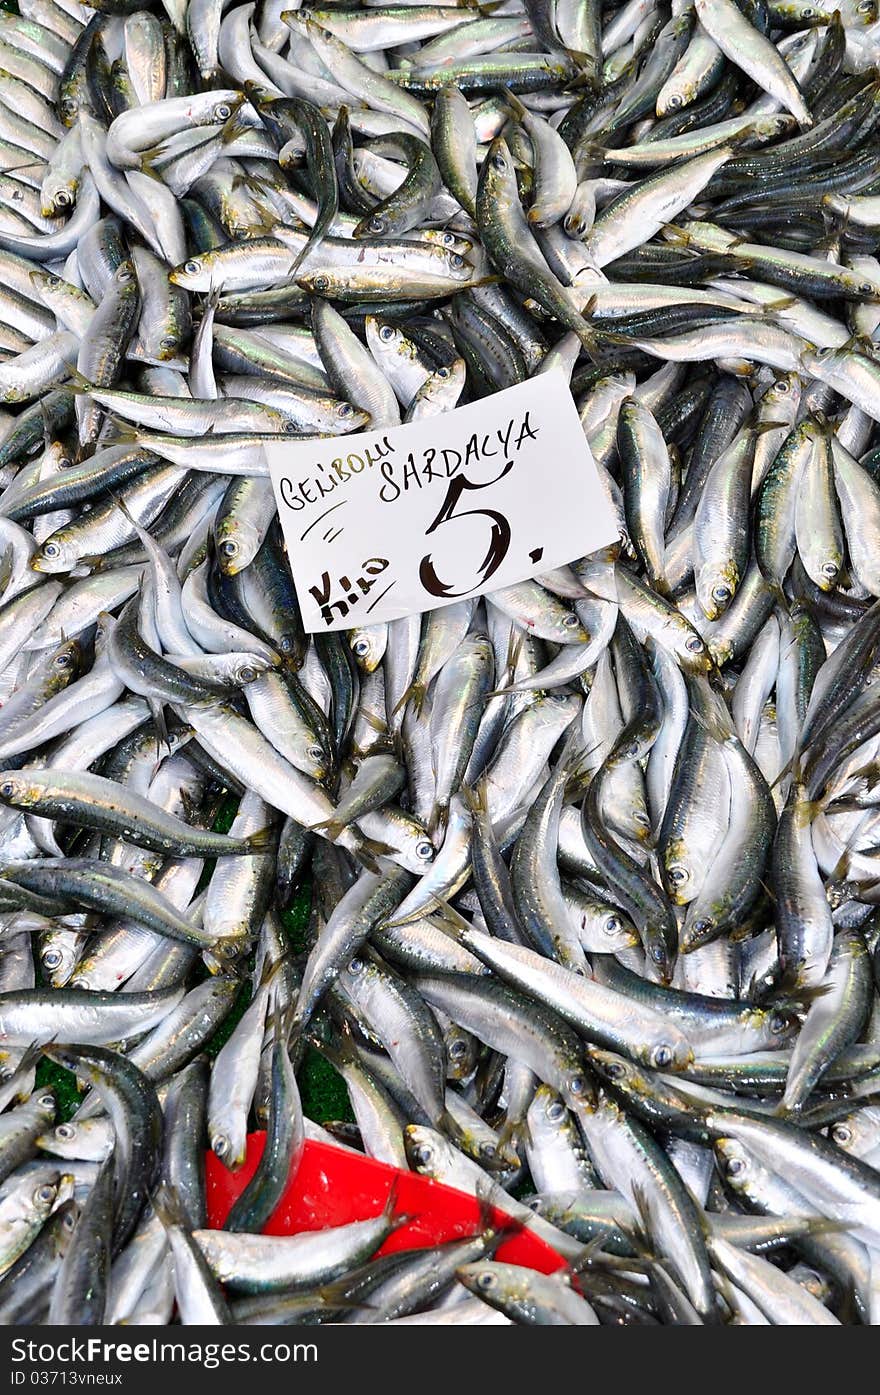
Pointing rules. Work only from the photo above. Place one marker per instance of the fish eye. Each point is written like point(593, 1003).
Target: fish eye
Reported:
point(167, 341)
point(63, 661)
point(376, 223)
point(47, 1101)
point(345, 409)
point(735, 1167)
point(7, 789)
point(570, 622)
point(321, 283)
point(677, 874)
point(192, 268)
point(674, 101)
point(290, 428)
point(315, 752)
point(52, 958)
point(124, 274)
point(657, 953)
point(615, 1070)
point(662, 1056)
point(68, 105)
point(489, 1151)
point(499, 162)
point(65, 1132)
point(69, 1221)
point(458, 1048)
point(246, 674)
point(555, 1111)
point(424, 850)
point(223, 111)
point(456, 261)
point(830, 569)
point(62, 198)
point(45, 1194)
point(612, 924)
point(443, 373)
point(577, 1085)
point(229, 547)
point(386, 333)
point(423, 1154)
point(842, 1134)
point(866, 289)
point(51, 549)
point(778, 1023)
point(721, 593)
point(362, 648)
point(220, 1145)
point(356, 966)
point(694, 644)
point(486, 1281)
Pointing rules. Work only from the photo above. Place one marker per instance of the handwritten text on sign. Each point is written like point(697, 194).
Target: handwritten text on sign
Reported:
point(391, 522)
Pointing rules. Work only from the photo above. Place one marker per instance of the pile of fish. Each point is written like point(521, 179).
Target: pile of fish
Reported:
point(593, 860)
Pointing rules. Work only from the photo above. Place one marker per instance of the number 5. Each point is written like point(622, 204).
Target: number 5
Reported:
point(499, 536)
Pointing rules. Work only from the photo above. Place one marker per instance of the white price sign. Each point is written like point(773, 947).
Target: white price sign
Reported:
point(391, 522)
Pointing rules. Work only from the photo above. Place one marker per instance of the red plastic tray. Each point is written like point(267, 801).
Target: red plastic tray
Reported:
point(334, 1186)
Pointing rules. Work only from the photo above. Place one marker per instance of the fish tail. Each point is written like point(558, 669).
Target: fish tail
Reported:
point(261, 841)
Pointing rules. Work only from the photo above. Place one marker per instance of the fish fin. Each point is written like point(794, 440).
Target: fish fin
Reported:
point(784, 303)
point(119, 432)
point(791, 767)
point(475, 796)
point(438, 821)
point(514, 1132)
point(588, 74)
point(262, 840)
point(452, 922)
point(269, 972)
point(157, 712)
point(673, 233)
point(611, 337)
point(515, 641)
point(714, 726)
point(79, 382)
point(405, 696)
point(168, 1207)
point(140, 532)
point(6, 564)
point(27, 1062)
point(451, 1128)
point(373, 722)
point(371, 850)
point(396, 1222)
point(517, 110)
point(418, 696)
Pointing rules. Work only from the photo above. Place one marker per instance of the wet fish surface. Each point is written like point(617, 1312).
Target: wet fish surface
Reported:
point(574, 886)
